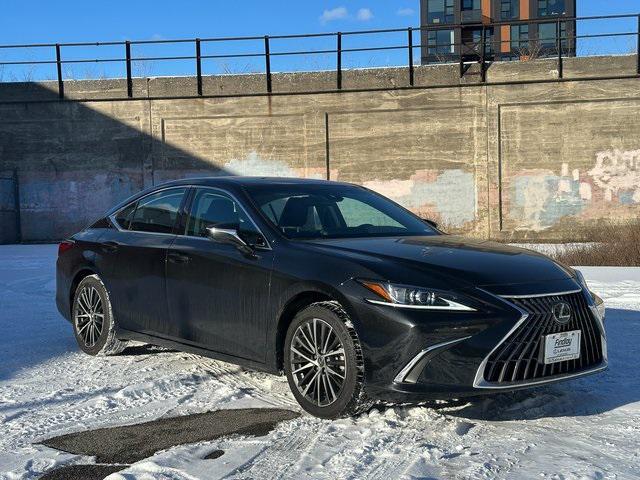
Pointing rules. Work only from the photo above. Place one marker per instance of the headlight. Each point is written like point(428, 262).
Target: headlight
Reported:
point(414, 297)
point(598, 303)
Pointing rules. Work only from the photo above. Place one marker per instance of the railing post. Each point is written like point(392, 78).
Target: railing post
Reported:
point(59, 67)
point(638, 49)
point(483, 50)
point(267, 62)
point(410, 45)
point(127, 45)
point(559, 47)
point(198, 67)
point(460, 57)
point(339, 61)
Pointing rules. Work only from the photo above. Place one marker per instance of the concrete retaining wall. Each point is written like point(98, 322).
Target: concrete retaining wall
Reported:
point(536, 161)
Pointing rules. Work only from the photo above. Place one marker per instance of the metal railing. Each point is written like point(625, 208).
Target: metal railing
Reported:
point(484, 49)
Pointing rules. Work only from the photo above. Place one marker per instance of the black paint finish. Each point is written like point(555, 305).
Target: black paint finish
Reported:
point(193, 294)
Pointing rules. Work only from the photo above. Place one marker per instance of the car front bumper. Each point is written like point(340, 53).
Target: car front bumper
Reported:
point(418, 355)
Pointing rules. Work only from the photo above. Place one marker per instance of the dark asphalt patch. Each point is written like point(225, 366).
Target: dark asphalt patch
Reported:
point(132, 443)
point(82, 472)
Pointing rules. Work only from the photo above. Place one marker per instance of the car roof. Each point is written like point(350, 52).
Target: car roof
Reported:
point(225, 181)
point(242, 181)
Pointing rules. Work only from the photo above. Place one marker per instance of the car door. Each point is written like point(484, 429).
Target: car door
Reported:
point(136, 254)
point(218, 296)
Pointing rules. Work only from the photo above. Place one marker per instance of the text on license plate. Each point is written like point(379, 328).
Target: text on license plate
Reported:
point(559, 347)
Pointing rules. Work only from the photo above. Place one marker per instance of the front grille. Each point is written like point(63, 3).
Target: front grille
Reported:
point(518, 358)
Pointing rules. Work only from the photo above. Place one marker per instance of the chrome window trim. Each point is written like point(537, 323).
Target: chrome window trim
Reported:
point(451, 308)
point(481, 383)
point(147, 233)
point(400, 377)
point(112, 217)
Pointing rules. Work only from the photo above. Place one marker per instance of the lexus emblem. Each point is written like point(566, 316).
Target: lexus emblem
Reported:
point(562, 312)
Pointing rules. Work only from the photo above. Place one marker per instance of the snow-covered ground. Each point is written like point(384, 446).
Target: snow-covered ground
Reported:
point(587, 428)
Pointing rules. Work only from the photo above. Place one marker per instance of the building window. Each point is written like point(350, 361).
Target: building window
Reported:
point(470, 4)
point(441, 42)
point(551, 7)
point(547, 34)
point(472, 41)
point(509, 9)
point(440, 11)
point(519, 38)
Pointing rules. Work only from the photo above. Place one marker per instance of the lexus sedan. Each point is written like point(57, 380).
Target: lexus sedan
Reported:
point(350, 295)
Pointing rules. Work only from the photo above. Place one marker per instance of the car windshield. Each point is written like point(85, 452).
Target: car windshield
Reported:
point(334, 211)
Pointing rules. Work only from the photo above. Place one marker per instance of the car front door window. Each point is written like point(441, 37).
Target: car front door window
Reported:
point(216, 209)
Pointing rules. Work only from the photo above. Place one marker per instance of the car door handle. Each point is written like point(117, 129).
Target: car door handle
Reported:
point(178, 257)
point(110, 247)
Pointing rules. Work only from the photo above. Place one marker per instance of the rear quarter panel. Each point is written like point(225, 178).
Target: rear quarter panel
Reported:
point(83, 257)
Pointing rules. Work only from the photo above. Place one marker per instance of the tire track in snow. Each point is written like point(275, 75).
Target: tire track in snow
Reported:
point(271, 389)
point(277, 458)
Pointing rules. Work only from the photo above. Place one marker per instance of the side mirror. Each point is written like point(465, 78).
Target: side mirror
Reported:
point(430, 222)
point(229, 236)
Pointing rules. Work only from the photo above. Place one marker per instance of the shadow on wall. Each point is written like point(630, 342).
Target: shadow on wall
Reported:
point(75, 160)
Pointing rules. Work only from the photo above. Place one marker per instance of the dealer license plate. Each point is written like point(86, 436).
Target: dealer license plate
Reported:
point(559, 347)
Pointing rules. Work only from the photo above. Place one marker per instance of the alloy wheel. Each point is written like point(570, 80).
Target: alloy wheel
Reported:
point(318, 362)
point(89, 317)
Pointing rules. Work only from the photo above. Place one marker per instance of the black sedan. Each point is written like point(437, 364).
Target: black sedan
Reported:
point(355, 298)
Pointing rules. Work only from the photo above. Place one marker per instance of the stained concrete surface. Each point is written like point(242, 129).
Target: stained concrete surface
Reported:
point(513, 161)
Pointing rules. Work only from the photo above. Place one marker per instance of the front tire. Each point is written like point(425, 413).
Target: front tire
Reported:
point(93, 322)
point(323, 362)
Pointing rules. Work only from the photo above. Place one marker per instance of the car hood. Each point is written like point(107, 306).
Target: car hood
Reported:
point(473, 262)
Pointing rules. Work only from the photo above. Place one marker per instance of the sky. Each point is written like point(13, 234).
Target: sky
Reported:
point(46, 21)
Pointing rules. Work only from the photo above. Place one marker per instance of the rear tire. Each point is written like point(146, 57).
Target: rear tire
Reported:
point(323, 362)
point(93, 323)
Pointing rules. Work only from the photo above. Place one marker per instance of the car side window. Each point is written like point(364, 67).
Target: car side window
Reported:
point(123, 217)
point(157, 213)
point(215, 209)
